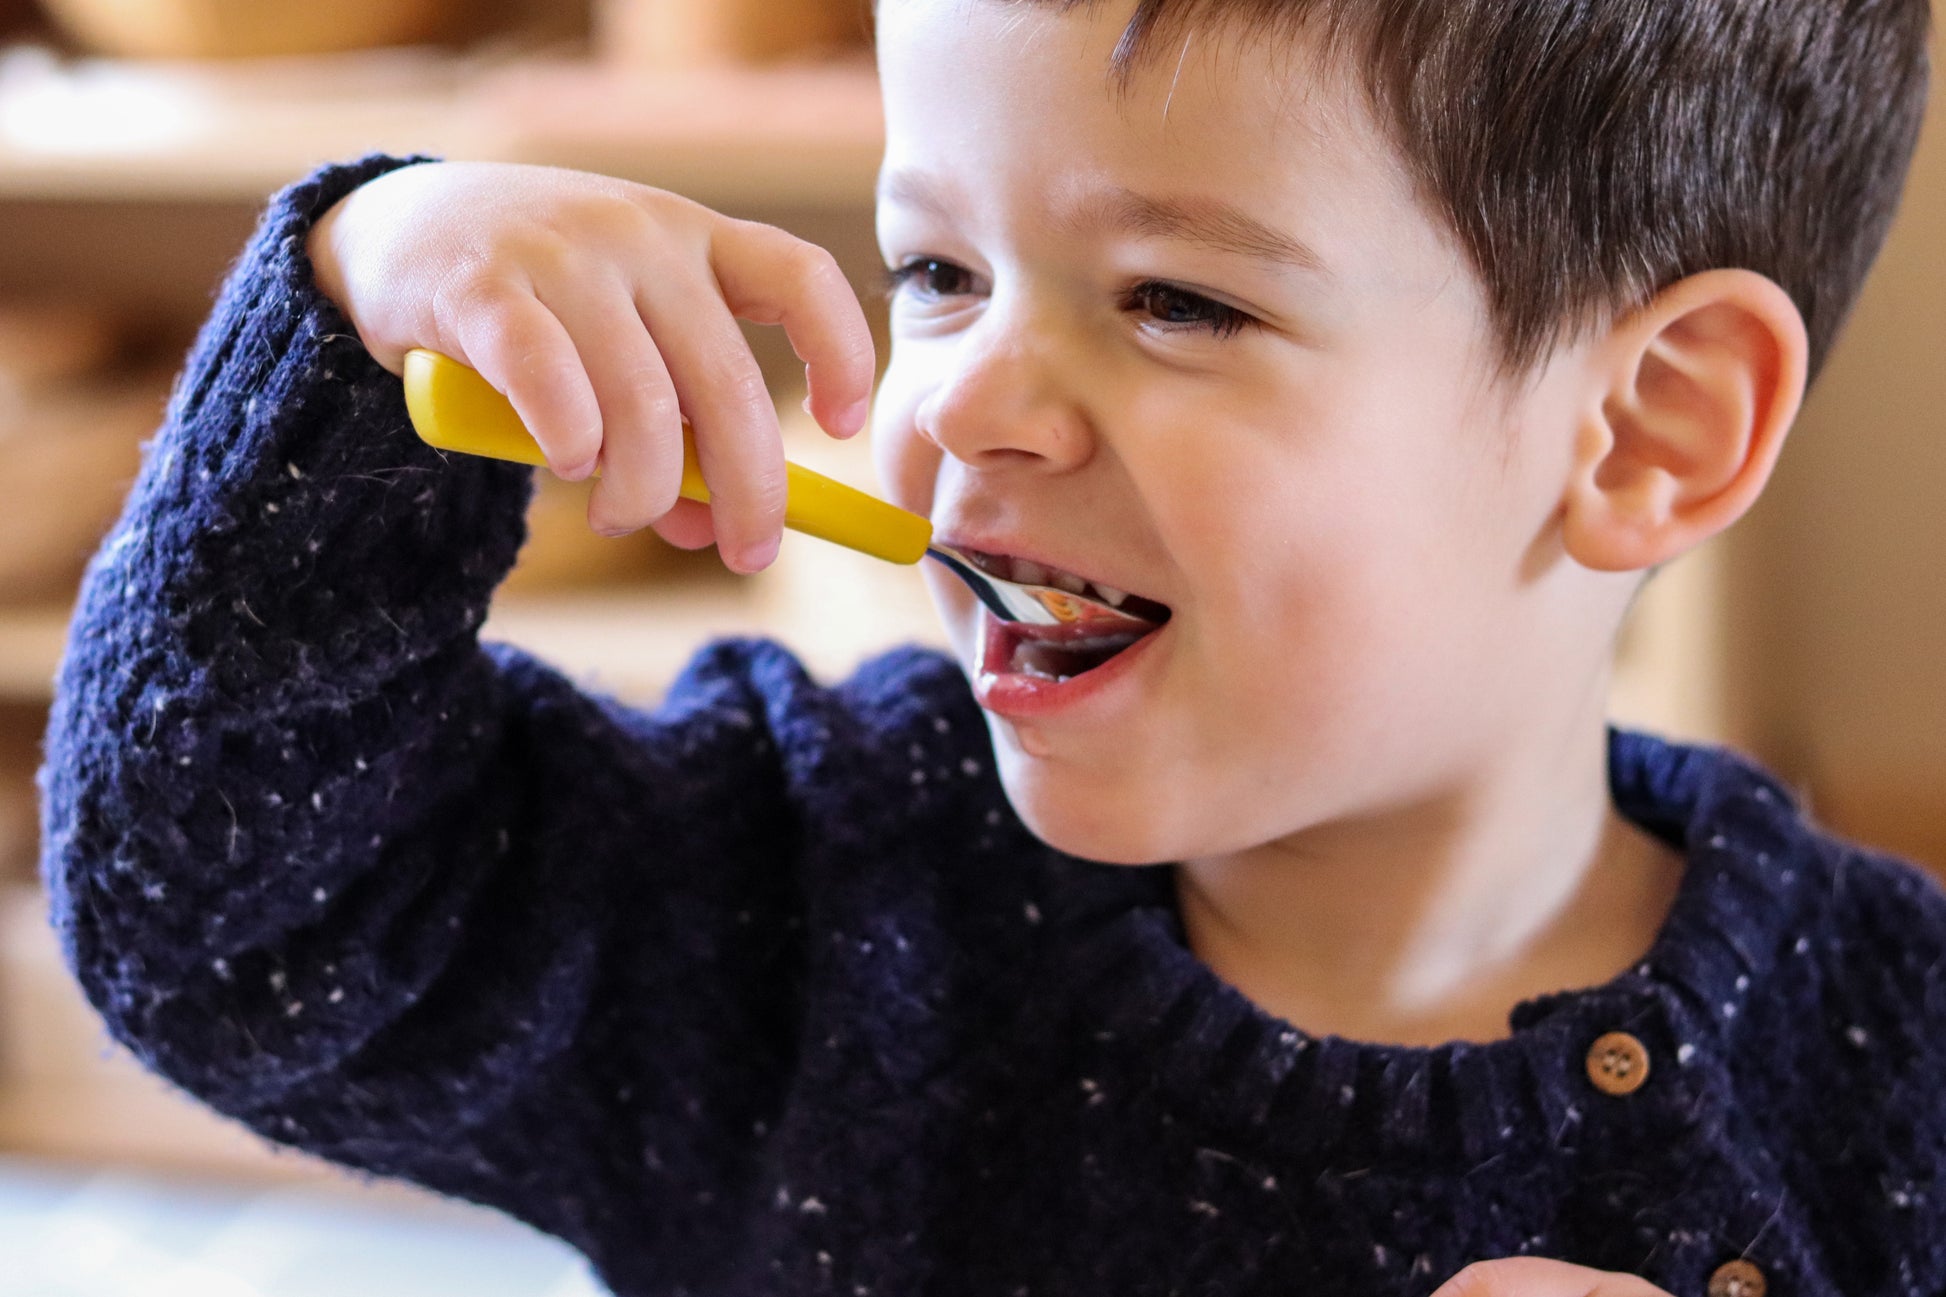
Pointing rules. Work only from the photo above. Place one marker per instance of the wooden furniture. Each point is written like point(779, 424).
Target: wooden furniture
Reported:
point(246, 28)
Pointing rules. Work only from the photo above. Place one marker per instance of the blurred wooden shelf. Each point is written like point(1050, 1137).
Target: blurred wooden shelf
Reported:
point(109, 130)
point(31, 640)
point(830, 607)
point(1672, 660)
point(68, 1091)
point(632, 641)
point(805, 134)
point(629, 640)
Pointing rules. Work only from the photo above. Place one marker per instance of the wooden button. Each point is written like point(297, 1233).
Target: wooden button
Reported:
point(1737, 1279)
point(1618, 1064)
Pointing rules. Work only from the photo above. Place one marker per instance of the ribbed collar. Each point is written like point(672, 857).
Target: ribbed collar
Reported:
point(1221, 1060)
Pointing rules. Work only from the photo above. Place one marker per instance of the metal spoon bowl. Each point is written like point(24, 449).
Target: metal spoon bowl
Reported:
point(1044, 605)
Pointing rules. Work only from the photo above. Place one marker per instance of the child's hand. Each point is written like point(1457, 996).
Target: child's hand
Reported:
point(603, 308)
point(1527, 1276)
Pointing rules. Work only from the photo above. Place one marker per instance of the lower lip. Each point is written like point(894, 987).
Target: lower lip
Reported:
point(1008, 693)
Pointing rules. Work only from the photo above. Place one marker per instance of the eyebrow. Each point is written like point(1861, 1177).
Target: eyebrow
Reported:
point(1203, 222)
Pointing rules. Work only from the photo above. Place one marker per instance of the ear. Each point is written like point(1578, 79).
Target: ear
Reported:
point(1690, 399)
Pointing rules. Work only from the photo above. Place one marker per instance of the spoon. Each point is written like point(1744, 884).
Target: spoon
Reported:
point(453, 408)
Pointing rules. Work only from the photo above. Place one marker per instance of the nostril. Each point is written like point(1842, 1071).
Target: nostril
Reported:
point(1018, 422)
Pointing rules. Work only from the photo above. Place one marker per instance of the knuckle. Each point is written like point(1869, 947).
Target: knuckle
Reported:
point(673, 230)
point(567, 419)
point(540, 366)
point(652, 398)
point(612, 514)
point(756, 233)
point(606, 519)
point(659, 505)
point(663, 204)
point(770, 499)
point(760, 500)
point(467, 291)
point(603, 213)
point(641, 486)
point(816, 269)
point(661, 487)
point(740, 382)
point(567, 423)
point(534, 245)
point(662, 409)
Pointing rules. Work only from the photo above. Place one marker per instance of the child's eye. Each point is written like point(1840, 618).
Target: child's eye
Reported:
point(1181, 308)
point(929, 277)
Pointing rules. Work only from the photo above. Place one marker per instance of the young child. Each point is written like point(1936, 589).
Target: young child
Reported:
point(1327, 940)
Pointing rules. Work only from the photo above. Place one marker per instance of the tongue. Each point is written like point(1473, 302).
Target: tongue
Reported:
point(1062, 659)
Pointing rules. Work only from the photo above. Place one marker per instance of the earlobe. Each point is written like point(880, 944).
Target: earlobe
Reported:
point(1689, 403)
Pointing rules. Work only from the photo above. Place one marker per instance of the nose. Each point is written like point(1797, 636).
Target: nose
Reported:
point(1009, 398)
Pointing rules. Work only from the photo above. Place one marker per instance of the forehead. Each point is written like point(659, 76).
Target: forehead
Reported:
point(989, 95)
point(1055, 61)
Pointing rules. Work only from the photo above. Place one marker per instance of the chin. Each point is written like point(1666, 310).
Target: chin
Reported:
point(1078, 820)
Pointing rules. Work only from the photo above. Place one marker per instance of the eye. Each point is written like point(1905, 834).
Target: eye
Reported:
point(929, 277)
point(1181, 309)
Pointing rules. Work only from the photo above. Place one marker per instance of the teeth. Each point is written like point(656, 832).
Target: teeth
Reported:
point(1028, 572)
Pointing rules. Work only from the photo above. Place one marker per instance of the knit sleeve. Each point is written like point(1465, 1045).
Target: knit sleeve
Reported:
point(325, 861)
point(1845, 1081)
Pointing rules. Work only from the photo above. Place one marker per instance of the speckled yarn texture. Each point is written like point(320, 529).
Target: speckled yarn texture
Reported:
point(767, 991)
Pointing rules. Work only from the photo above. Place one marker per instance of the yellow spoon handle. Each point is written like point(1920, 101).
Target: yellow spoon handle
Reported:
point(454, 408)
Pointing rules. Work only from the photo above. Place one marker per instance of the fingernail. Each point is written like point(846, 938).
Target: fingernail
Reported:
point(760, 555)
point(855, 417)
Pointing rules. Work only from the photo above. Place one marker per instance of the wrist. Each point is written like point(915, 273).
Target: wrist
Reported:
point(321, 246)
point(329, 238)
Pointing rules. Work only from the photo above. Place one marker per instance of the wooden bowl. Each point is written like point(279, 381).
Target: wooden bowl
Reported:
point(684, 34)
point(228, 29)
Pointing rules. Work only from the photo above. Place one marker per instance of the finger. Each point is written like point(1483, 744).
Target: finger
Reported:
point(739, 447)
point(1528, 1276)
point(641, 443)
point(687, 526)
point(523, 351)
point(768, 276)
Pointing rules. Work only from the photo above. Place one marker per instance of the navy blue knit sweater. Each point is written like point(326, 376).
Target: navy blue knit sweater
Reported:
point(768, 991)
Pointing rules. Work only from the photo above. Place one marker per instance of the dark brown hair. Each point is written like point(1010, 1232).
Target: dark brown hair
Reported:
point(1589, 153)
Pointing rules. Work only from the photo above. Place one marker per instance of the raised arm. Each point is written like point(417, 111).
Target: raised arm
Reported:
point(325, 861)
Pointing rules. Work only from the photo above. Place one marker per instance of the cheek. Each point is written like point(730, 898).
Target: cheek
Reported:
point(907, 463)
point(1318, 574)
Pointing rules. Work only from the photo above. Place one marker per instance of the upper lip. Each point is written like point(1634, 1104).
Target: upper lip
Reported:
point(1005, 547)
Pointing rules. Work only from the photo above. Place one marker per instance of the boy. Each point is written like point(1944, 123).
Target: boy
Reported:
point(1387, 350)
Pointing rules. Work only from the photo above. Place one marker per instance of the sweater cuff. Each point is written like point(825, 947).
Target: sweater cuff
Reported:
point(271, 289)
point(287, 504)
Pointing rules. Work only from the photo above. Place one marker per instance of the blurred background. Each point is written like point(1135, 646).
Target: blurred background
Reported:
point(138, 141)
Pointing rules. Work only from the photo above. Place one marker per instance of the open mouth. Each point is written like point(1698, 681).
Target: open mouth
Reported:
point(1028, 651)
point(1060, 653)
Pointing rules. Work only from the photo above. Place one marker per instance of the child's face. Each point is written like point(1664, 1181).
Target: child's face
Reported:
point(1320, 496)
